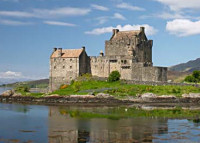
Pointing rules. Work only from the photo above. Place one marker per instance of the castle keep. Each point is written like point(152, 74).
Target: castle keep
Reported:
point(129, 52)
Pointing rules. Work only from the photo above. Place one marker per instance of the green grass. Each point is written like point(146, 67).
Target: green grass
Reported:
point(37, 95)
point(120, 89)
point(117, 113)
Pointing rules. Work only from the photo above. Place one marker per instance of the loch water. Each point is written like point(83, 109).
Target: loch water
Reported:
point(90, 124)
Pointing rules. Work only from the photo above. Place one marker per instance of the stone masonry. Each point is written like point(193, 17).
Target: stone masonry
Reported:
point(129, 52)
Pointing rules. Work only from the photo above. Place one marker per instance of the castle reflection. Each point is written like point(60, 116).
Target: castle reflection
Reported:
point(64, 127)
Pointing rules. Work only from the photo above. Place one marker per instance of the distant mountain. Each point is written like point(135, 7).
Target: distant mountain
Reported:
point(186, 67)
point(41, 83)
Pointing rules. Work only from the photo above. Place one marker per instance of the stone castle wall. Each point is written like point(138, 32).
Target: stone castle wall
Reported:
point(103, 66)
point(130, 53)
point(62, 71)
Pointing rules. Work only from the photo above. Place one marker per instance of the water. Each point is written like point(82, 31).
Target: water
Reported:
point(71, 124)
point(2, 89)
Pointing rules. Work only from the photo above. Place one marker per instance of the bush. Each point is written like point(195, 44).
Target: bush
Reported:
point(76, 86)
point(22, 88)
point(114, 76)
point(64, 86)
point(195, 77)
point(72, 82)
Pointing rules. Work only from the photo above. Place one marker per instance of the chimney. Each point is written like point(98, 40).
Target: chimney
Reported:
point(59, 52)
point(101, 54)
point(83, 47)
point(54, 49)
point(142, 29)
point(115, 31)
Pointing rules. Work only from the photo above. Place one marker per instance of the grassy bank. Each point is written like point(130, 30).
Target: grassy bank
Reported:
point(120, 89)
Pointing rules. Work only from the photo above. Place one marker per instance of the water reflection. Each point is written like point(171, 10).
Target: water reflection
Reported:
point(64, 128)
point(100, 124)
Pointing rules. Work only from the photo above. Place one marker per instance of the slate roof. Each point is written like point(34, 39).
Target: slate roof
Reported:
point(68, 53)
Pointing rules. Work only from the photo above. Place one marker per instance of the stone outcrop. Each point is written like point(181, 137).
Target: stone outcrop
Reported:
point(8, 93)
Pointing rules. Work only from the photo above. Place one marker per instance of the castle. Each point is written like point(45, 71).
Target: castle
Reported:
point(129, 52)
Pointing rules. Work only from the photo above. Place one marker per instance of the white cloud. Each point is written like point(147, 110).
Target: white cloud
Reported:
point(58, 23)
point(119, 16)
point(177, 5)
point(16, 14)
point(14, 23)
point(10, 74)
point(102, 20)
point(48, 13)
point(164, 15)
point(129, 7)
point(61, 12)
point(10, 0)
point(99, 7)
point(183, 27)
point(98, 31)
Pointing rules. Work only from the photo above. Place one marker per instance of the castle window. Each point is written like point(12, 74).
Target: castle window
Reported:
point(70, 67)
point(54, 59)
point(54, 67)
point(63, 60)
point(125, 61)
point(70, 60)
point(63, 67)
point(125, 67)
point(113, 61)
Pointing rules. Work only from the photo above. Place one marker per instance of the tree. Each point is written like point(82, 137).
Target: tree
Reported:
point(195, 77)
point(114, 76)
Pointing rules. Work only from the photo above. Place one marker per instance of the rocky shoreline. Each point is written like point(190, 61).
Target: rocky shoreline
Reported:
point(100, 98)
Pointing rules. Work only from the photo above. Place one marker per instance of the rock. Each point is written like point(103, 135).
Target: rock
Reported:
point(7, 93)
point(191, 95)
point(81, 96)
point(147, 96)
point(167, 96)
point(103, 95)
point(16, 94)
point(53, 95)
point(91, 93)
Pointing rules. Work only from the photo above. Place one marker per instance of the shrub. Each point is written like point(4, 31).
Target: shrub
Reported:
point(64, 86)
point(72, 82)
point(114, 76)
point(76, 86)
point(195, 77)
point(22, 88)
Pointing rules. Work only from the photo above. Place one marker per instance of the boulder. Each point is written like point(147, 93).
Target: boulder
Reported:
point(81, 96)
point(16, 94)
point(147, 96)
point(103, 95)
point(53, 95)
point(191, 95)
point(7, 93)
point(167, 96)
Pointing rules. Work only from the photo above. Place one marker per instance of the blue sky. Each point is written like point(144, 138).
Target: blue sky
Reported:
point(30, 29)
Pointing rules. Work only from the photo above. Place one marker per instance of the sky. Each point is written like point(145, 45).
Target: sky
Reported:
point(30, 29)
